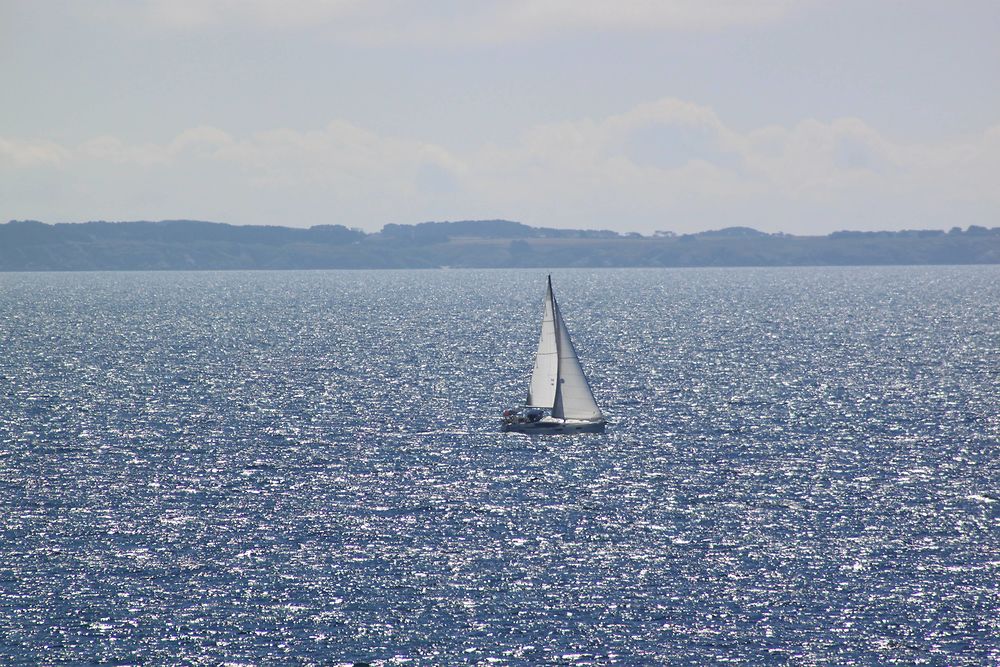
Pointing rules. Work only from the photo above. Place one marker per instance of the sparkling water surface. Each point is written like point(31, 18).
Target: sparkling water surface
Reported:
point(306, 468)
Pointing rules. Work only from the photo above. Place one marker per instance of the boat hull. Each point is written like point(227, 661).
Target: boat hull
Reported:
point(550, 425)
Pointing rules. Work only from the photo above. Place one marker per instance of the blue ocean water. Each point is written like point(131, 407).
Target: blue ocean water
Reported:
point(306, 468)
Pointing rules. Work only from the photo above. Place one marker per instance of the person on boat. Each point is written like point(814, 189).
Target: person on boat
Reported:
point(511, 416)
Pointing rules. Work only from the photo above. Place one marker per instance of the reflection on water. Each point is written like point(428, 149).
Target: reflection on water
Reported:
point(801, 468)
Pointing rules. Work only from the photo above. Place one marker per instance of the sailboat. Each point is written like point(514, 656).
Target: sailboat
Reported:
point(558, 384)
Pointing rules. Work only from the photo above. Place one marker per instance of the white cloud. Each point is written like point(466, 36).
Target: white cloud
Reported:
point(669, 164)
point(20, 153)
point(112, 150)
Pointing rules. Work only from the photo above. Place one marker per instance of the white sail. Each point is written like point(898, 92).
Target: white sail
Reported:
point(542, 390)
point(573, 397)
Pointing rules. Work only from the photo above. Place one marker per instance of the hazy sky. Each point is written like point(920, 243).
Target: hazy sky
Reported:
point(683, 115)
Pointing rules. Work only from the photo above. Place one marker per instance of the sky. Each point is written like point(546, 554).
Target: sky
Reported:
point(804, 117)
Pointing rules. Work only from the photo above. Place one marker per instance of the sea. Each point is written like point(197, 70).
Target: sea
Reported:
point(801, 467)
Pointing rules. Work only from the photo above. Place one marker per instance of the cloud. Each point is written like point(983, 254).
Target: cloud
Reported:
point(20, 153)
point(668, 164)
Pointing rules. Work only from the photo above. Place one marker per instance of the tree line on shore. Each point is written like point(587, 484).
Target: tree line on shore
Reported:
point(198, 245)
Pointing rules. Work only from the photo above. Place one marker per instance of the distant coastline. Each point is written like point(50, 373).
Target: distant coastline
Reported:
point(171, 245)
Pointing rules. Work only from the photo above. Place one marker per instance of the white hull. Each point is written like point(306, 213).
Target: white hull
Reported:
point(551, 425)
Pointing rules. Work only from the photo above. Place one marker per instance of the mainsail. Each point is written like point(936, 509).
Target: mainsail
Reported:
point(557, 381)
